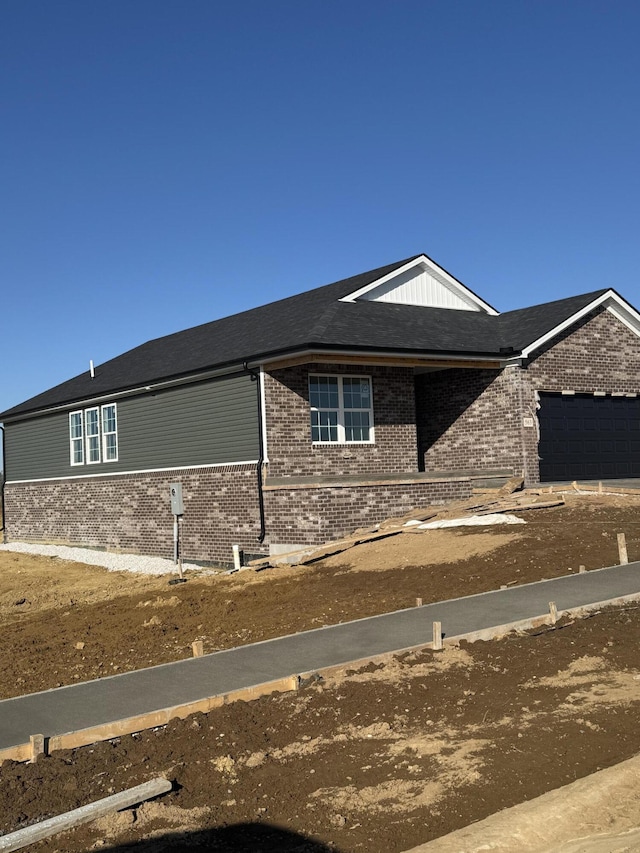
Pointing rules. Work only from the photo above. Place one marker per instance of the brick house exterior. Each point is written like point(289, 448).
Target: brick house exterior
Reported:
point(455, 395)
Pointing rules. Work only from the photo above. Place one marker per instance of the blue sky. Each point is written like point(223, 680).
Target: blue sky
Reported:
point(167, 162)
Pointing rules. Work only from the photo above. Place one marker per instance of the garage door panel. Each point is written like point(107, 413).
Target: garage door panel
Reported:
point(587, 437)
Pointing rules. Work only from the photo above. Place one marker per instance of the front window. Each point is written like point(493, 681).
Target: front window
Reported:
point(341, 409)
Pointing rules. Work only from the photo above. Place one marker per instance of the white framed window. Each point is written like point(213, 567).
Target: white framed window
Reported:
point(76, 438)
point(341, 409)
point(109, 433)
point(93, 435)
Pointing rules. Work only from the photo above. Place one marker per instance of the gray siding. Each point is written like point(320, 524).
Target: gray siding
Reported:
point(202, 424)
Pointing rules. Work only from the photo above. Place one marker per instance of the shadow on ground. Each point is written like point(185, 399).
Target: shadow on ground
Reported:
point(241, 838)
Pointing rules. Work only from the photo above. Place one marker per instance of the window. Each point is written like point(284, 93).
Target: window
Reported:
point(76, 437)
point(341, 409)
point(109, 434)
point(93, 435)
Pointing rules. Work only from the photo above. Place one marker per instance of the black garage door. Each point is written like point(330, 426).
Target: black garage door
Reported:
point(583, 437)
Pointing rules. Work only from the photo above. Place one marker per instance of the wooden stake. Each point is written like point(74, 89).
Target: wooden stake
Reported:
point(622, 549)
point(437, 636)
point(582, 569)
point(37, 748)
point(600, 487)
point(198, 648)
point(553, 612)
point(116, 802)
point(418, 602)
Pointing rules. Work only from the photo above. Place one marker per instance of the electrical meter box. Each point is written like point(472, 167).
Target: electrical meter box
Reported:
point(177, 505)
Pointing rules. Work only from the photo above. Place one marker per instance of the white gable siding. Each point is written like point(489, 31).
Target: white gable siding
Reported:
point(416, 286)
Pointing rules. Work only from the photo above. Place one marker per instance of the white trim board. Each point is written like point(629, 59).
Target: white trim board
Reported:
point(127, 473)
point(448, 291)
point(610, 300)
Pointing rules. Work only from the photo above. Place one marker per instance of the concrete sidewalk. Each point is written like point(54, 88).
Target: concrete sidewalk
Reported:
point(95, 703)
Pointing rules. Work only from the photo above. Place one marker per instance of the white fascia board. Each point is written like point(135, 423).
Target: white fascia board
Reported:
point(626, 314)
point(621, 309)
point(423, 261)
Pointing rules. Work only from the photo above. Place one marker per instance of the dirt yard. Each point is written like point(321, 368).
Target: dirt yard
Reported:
point(377, 760)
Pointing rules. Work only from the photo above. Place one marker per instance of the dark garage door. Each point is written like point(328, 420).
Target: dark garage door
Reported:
point(583, 437)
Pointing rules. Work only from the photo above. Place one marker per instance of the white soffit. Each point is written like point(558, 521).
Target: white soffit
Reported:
point(610, 301)
point(421, 282)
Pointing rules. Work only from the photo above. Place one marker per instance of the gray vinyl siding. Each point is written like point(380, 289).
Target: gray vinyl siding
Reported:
point(207, 423)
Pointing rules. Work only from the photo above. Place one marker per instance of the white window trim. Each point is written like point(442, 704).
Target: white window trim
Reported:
point(87, 437)
point(105, 434)
point(79, 438)
point(342, 440)
point(83, 438)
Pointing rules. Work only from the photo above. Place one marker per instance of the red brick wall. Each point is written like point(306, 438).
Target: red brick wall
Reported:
point(289, 446)
point(133, 513)
point(470, 419)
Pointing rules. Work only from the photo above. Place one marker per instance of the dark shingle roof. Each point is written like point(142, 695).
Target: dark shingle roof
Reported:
point(315, 319)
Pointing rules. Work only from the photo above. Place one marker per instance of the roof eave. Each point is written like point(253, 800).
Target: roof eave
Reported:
point(264, 359)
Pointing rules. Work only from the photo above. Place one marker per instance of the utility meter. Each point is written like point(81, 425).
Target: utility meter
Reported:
point(177, 505)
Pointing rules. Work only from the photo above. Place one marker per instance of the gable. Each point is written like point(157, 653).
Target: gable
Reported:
point(608, 301)
point(421, 282)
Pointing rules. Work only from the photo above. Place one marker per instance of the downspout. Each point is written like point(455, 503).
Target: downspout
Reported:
point(4, 477)
point(255, 377)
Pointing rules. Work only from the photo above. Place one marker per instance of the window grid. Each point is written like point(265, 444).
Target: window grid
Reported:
point(76, 438)
point(93, 435)
point(341, 409)
point(109, 433)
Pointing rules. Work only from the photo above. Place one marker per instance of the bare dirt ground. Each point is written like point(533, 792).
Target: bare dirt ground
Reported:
point(377, 760)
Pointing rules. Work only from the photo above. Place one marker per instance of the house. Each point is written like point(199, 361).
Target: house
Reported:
point(295, 422)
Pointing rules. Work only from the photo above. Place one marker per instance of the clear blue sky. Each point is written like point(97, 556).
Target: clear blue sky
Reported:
point(167, 162)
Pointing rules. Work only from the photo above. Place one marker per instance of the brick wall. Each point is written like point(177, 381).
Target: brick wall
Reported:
point(317, 515)
point(132, 512)
point(470, 419)
point(289, 446)
point(600, 355)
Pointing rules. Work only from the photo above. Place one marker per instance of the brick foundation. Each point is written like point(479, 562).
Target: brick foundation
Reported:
point(132, 512)
point(317, 515)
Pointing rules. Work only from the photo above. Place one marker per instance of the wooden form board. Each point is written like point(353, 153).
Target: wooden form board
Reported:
point(85, 737)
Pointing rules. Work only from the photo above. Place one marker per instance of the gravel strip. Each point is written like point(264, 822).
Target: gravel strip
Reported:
point(112, 562)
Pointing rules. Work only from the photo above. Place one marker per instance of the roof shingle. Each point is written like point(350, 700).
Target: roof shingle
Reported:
point(314, 319)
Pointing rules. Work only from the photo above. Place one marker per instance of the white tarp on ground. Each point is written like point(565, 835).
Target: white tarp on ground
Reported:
point(469, 521)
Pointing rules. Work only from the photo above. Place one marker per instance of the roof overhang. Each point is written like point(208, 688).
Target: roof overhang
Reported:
point(610, 301)
point(391, 358)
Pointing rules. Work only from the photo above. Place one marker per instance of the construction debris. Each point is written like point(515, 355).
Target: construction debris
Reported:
point(512, 485)
point(505, 501)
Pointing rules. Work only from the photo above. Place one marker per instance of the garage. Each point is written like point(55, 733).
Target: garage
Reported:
point(584, 437)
